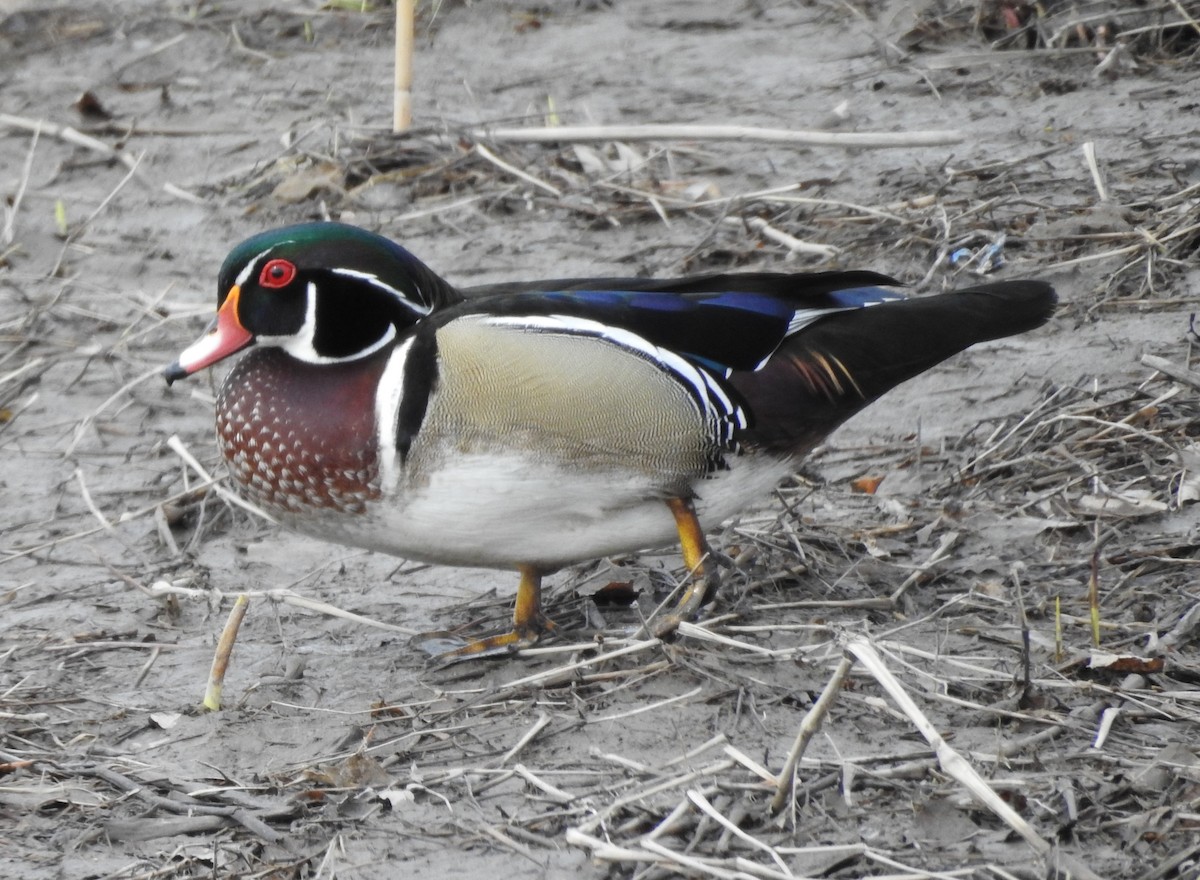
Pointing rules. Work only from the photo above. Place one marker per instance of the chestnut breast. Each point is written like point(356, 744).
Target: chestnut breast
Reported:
point(302, 436)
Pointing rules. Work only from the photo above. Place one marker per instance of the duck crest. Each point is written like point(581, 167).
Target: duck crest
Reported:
point(302, 437)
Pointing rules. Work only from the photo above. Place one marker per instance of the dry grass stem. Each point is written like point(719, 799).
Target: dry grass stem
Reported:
point(793, 244)
point(176, 446)
point(666, 132)
point(508, 168)
point(403, 65)
point(70, 135)
point(808, 727)
point(1089, 156)
point(220, 664)
point(1180, 374)
point(948, 759)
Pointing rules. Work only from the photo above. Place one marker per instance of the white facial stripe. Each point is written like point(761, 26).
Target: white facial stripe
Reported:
point(707, 395)
point(301, 345)
point(387, 414)
point(248, 269)
point(373, 280)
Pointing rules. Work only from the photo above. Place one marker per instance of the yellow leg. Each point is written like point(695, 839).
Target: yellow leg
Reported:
point(704, 580)
point(529, 625)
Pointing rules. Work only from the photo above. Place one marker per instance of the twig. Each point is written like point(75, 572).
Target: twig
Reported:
point(402, 88)
point(504, 840)
point(563, 797)
point(665, 701)
point(87, 500)
point(703, 633)
point(542, 720)
point(216, 675)
point(75, 536)
point(87, 420)
point(943, 549)
point(11, 210)
point(601, 849)
point(702, 866)
point(70, 135)
point(1176, 372)
point(951, 762)
point(666, 785)
point(184, 803)
point(1179, 7)
point(1089, 156)
point(515, 171)
point(793, 244)
point(709, 810)
point(539, 677)
point(285, 596)
point(663, 132)
point(79, 229)
point(179, 449)
point(809, 725)
point(750, 764)
point(31, 364)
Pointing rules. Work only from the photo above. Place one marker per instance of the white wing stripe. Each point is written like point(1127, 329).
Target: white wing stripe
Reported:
point(801, 318)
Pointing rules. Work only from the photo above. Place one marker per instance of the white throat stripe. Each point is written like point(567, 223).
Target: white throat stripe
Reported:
point(387, 414)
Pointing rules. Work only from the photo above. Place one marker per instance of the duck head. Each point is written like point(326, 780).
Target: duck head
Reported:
point(322, 292)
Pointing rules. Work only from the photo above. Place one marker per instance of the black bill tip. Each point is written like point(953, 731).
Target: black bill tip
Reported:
point(174, 372)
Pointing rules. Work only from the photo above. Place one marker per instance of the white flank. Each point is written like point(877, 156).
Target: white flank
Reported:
point(500, 509)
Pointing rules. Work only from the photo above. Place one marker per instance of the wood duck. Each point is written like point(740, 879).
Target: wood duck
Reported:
point(533, 425)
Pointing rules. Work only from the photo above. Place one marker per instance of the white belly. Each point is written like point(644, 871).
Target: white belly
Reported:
point(498, 512)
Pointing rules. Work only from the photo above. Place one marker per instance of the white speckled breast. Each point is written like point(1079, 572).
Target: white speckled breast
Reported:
point(301, 437)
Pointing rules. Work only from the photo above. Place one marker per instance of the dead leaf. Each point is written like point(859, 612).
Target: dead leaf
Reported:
point(397, 797)
point(361, 771)
point(301, 184)
point(868, 485)
point(165, 720)
point(589, 160)
point(89, 107)
point(993, 589)
point(1124, 663)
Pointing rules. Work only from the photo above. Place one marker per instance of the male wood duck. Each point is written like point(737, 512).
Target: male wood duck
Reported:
point(533, 425)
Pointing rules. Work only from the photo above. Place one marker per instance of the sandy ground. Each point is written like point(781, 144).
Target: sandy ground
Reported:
point(1014, 478)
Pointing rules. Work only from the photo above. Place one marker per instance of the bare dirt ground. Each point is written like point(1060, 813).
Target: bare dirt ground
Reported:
point(1016, 479)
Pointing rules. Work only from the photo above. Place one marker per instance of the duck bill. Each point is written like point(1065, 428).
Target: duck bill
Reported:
point(225, 336)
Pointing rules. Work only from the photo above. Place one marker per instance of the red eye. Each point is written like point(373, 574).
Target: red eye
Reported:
point(277, 273)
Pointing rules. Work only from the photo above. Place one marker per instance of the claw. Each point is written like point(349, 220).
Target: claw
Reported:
point(696, 557)
point(529, 625)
